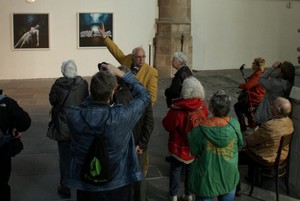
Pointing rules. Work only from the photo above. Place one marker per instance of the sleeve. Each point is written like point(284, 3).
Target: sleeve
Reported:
point(52, 95)
point(251, 83)
point(12, 116)
point(174, 120)
point(152, 86)
point(194, 138)
point(147, 128)
point(259, 136)
point(21, 118)
point(174, 90)
point(264, 79)
point(240, 140)
point(115, 50)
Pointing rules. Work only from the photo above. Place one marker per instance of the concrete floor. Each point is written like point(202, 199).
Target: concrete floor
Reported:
point(35, 173)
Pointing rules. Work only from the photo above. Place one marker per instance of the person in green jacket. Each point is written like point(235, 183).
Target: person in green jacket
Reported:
point(215, 143)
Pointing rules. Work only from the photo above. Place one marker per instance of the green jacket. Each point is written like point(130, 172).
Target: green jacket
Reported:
point(216, 144)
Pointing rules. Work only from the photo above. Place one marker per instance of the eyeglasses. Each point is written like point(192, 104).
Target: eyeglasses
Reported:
point(140, 57)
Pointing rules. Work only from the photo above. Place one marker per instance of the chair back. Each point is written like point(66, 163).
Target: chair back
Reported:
point(284, 141)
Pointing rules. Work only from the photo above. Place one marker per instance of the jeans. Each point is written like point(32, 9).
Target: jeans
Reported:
point(64, 158)
point(175, 174)
point(5, 170)
point(227, 197)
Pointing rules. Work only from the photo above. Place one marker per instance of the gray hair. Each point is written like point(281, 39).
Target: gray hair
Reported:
point(69, 69)
point(181, 57)
point(219, 104)
point(192, 88)
point(102, 85)
point(136, 49)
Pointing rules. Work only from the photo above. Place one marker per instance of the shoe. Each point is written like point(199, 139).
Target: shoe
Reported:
point(64, 191)
point(186, 198)
point(173, 198)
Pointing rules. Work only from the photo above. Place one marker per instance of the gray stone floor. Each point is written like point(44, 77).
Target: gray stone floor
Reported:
point(35, 171)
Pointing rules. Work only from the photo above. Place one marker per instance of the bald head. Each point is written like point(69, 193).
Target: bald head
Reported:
point(283, 106)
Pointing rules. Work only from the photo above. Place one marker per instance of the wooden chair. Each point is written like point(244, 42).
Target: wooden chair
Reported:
point(278, 169)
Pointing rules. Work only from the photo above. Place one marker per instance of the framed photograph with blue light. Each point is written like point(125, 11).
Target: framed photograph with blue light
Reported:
point(30, 31)
point(88, 29)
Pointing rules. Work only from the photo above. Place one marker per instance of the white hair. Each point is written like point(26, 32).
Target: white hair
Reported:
point(181, 57)
point(69, 69)
point(192, 88)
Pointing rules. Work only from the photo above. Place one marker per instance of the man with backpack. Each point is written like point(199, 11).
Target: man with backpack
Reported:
point(13, 121)
point(115, 124)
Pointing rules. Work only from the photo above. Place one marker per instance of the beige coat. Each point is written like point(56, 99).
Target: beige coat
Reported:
point(264, 142)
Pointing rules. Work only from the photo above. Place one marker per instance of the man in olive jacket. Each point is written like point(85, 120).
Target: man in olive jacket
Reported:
point(146, 74)
point(262, 144)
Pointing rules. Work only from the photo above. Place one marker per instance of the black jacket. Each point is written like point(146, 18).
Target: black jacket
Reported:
point(11, 116)
point(175, 88)
point(59, 90)
point(144, 126)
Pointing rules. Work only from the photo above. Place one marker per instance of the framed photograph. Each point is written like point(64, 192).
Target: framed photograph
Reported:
point(30, 31)
point(88, 32)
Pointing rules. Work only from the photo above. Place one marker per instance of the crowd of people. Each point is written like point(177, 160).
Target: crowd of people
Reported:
point(205, 143)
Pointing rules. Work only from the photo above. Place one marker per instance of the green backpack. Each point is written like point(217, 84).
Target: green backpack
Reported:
point(96, 167)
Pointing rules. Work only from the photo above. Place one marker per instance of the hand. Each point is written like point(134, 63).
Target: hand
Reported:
point(16, 134)
point(112, 69)
point(277, 64)
point(139, 150)
point(102, 30)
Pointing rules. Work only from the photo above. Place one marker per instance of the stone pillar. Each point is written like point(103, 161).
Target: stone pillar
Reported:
point(173, 34)
point(295, 148)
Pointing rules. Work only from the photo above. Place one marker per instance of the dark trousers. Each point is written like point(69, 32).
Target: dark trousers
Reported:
point(64, 158)
point(175, 176)
point(5, 170)
point(244, 159)
point(140, 187)
point(124, 193)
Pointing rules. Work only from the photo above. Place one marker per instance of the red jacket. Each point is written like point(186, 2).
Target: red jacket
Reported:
point(255, 90)
point(174, 123)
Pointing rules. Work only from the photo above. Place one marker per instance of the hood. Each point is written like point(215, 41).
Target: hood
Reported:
point(190, 104)
point(67, 83)
point(220, 136)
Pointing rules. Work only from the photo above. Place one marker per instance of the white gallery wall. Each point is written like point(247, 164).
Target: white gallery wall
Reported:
point(134, 25)
point(229, 33)
point(226, 33)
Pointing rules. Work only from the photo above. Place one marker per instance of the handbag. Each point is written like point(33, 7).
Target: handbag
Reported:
point(54, 125)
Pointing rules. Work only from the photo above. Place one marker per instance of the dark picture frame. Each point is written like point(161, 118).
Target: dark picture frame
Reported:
point(30, 31)
point(88, 32)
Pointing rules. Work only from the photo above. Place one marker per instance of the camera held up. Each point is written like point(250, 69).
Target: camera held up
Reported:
point(100, 68)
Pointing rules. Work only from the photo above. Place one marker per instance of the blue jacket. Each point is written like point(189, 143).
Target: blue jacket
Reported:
point(115, 124)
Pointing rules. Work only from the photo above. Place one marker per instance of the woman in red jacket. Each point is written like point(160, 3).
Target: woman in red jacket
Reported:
point(177, 123)
point(254, 92)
